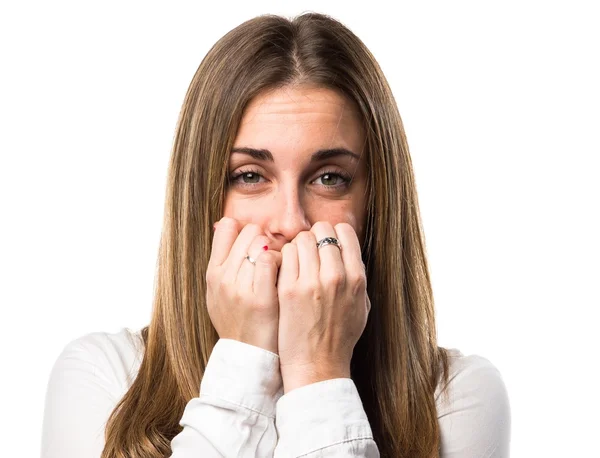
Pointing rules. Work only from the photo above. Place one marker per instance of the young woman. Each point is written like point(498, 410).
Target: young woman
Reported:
point(293, 313)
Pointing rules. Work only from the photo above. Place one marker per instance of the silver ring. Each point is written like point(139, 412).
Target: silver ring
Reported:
point(329, 241)
point(252, 260)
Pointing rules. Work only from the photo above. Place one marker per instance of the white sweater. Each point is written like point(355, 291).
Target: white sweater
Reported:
point(241, 410)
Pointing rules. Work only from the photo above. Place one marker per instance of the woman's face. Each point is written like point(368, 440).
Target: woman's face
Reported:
point(297, 159)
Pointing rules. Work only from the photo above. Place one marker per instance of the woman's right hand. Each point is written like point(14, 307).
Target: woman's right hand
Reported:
point(242, 298)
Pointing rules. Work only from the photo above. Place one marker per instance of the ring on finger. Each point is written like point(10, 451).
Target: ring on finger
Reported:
point(329, 241)
point(251, 259)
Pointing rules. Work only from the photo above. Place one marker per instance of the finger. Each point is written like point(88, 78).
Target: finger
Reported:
point(329, 255)
point(309, 263)
point(247, 270)
point(239, 250)
point(351, 254)
point(266, 271)
point(226, 232)
point(288, 272)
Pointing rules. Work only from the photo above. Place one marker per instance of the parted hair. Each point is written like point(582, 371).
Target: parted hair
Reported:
point(396, 364)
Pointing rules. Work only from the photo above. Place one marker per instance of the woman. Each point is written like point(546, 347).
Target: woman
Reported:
point(302, 322)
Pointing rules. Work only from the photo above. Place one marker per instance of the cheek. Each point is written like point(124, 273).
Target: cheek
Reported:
point(244, 210)
point(348, 211)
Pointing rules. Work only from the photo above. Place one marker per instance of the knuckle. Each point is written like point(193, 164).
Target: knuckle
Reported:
point(259, 305)
point(305, 237)
point(266, 258)
point(287, 248)
point(358, 279)
point(226, 285)
point(343, 228)
point(287, 293)
point(359, 284)
point(210, 276)
point(324, 226)
point(311, 286)
point(252, 228)
point(335, 279)
point(228, 223)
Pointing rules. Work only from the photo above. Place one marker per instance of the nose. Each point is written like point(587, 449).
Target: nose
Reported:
point(287, 216)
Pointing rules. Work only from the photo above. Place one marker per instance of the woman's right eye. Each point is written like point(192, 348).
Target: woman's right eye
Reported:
point(246, 177)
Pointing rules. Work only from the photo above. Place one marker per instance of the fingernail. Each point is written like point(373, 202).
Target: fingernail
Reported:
point(265, 248)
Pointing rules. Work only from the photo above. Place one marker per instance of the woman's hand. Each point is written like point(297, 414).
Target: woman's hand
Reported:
point(323, 305)
point(242, 298)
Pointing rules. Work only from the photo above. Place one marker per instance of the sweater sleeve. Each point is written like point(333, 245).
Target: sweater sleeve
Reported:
point(324, 419)
point(234, 414)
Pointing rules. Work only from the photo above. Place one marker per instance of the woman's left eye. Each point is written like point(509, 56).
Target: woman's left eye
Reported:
point(332, 179)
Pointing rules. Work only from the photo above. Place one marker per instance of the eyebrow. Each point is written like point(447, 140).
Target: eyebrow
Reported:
point(320, 155)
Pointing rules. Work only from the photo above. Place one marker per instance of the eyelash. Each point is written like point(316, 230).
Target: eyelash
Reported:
point(233, 179)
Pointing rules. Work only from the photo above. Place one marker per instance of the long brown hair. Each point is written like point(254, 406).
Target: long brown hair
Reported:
point(396, 364)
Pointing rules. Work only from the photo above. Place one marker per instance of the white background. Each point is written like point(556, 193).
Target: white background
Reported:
point(501, 108)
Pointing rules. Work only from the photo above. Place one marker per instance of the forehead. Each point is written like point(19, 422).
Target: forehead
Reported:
point(293, 101)
point(303, 118)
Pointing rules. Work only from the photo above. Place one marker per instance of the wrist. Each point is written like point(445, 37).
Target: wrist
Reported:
point(297, 377)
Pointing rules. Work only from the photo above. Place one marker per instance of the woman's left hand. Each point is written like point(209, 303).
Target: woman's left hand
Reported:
point(323, 305)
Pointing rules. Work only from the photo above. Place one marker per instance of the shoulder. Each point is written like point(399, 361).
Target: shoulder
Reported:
point(469, 371)
point(470, 377)
point(476, 405)
point(88, 378)
point(114, 356)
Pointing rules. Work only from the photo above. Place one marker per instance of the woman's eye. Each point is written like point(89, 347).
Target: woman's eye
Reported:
point(245, 177)
point(333, 180)
point(250, 177)
point(329, 179)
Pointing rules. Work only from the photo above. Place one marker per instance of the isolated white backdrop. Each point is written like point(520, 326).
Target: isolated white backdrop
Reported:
point(501, 108)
